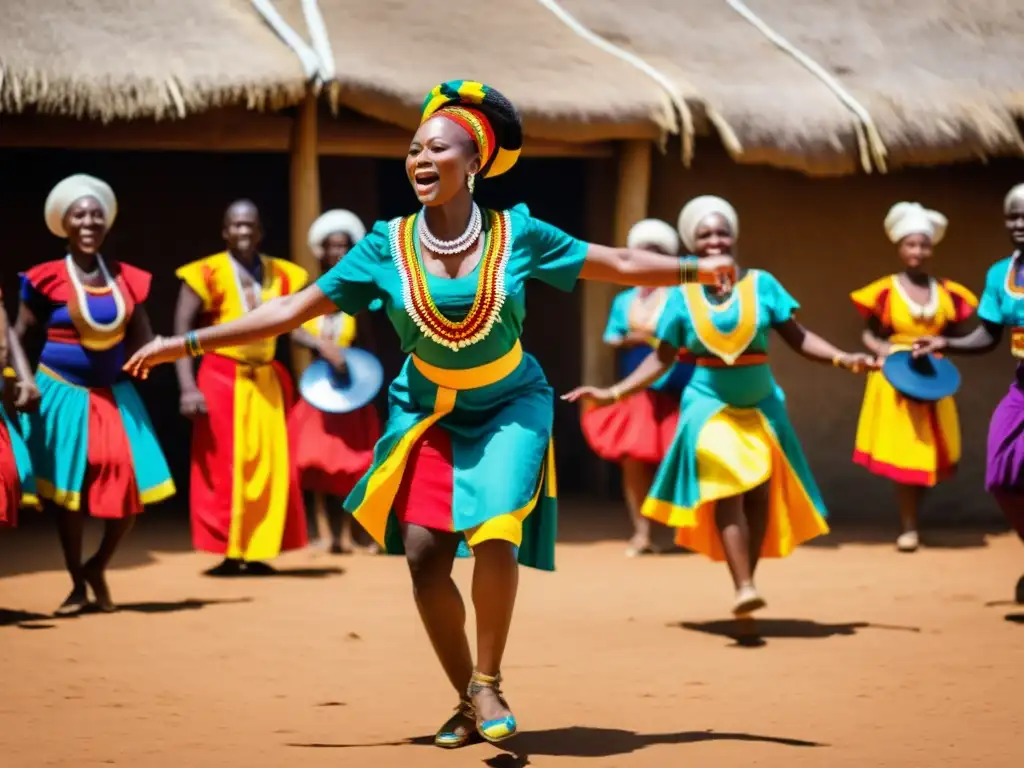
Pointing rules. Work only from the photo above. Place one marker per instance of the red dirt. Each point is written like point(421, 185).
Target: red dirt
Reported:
point(870, 659)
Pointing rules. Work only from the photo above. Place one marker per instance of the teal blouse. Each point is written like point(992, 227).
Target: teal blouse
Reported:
point(370, 272)
point(998, 304)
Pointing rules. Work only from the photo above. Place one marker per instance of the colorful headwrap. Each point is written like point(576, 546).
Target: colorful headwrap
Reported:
point(487, 116)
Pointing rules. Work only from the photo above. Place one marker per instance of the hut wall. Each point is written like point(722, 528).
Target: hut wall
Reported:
point(823, 238)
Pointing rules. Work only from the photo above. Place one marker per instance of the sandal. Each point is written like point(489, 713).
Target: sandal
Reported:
point(500, 728)
point(450, 735)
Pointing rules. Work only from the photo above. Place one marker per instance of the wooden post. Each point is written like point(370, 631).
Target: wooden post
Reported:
point(304, 199)
point(630, 179)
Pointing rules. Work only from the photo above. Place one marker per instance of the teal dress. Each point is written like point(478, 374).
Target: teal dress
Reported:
point(466, 373)
point(734, 433)
point(618, 327)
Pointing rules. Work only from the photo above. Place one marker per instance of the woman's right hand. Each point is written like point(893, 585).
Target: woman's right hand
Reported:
point(192, 404)
point(719, 271)
point(928, 345)
point(162, 349)
point(597, 395)
point(334, 355)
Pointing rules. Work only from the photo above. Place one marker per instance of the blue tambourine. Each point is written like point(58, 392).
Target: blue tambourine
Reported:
point(927, 378)
point(327, 390)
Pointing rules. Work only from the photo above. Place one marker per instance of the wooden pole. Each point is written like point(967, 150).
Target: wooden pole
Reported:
point(304, 199)
point(619, 198)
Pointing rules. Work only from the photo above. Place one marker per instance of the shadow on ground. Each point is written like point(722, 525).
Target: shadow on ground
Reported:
point(754, 633)
point(582, 741)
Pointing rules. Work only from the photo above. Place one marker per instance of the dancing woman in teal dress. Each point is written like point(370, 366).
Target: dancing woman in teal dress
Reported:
point(465, 458)
point(735, 483)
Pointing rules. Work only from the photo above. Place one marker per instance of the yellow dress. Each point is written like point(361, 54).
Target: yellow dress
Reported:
point(907, 441)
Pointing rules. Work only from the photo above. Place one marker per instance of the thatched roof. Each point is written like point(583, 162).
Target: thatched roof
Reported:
point(941, 79)
point(388, 55)
point(108, 59)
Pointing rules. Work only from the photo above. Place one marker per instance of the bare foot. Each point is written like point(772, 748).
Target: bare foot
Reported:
point(640, 545)
point(97, 581)
point(341, 548)
point(74, 603)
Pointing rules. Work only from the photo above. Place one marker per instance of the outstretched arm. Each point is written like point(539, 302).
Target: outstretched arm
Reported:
point(276, 317)
point(984, 338)
point(813, 347)
point(14, 356)
point(653, 367)
point(629, 266)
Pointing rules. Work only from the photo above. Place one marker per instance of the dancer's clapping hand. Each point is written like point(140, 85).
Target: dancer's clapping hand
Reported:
point(162, 349)
point(928, 345)
point(598, 395)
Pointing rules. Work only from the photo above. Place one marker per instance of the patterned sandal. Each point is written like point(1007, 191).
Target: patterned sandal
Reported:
point(451, 735)
point(502, 727)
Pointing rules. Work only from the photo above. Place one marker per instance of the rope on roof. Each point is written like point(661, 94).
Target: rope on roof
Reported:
point(635, 61)
point(310, 60)
point(869, 141)
point(321, 40)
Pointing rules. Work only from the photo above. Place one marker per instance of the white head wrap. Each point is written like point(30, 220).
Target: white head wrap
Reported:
point(653, 232)
point(698, 209)
point(334, 222)
point(1017, 193)
point(906, 219)
point(71, 190)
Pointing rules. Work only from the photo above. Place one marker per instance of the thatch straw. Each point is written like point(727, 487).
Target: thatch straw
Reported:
point(121, 60)
point(389, 54)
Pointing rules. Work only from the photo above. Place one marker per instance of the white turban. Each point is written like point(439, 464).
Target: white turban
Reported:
point(1017, 193)
point(698, 209)
point(335, 222)
point(70, 191)
point(653, 232)
point(906, 219)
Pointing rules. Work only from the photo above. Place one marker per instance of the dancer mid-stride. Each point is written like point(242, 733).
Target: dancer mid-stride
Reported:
point(636, 431)
point(94, 450)
point(17, 485)
point(735, 482)
point(1001, 307)
point(466, 455)
point(914, 444)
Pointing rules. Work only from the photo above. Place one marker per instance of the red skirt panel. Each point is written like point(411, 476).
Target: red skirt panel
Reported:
point(109, 485)
point(424, 497)
point(641, 427)
point(10, 484)
point(332, 451)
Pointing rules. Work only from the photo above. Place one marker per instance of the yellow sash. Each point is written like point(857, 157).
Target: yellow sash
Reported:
point(726, 345)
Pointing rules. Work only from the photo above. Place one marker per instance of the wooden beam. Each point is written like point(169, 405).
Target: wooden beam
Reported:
point(236, 130)
point(304, 199)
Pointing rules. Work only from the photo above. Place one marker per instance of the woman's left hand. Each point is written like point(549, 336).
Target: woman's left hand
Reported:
point(718, 271)
point(162, 349)
point(27, 397)
point(858, 362)
point(597, 395)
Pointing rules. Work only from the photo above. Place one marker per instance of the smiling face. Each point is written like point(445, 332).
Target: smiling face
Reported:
point(86, 225)
point(915, 250)
point(1015, 222)
point(242, 230)
point(335, 246)
point(440, 159)
point(713, 236)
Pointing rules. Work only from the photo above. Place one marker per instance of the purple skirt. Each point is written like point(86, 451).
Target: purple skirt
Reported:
point(1004, 468)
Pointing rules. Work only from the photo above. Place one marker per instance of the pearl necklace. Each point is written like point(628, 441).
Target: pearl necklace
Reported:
point(917, 311)
point(460, 243)
point(83, 302)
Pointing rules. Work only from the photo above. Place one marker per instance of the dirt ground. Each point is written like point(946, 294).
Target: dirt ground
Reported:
point(867, 658)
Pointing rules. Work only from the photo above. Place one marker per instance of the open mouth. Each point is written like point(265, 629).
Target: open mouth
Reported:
point(426, 178)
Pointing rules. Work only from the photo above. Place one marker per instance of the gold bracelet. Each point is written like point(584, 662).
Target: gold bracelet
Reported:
point(837, 360)
point(688, 270)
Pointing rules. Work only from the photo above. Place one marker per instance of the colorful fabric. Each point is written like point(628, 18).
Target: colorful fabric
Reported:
point(734, 433)
point(641, 427)
point(1004, 466)
point(339, 328)
point(215, 281)
point(17, 483)
point(490, 398)
point(501, 124)
point(1002, 301)
point(245, 497)
point(629, 313)
point(907, 441)
point(75, 349)
point(94, 449)
point(331, 451)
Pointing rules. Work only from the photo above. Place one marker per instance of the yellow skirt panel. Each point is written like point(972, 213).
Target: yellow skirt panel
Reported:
point(737, 452)
point(904, 440)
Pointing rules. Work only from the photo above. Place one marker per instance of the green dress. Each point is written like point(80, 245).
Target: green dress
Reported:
point(734, 433)
point(466, 373)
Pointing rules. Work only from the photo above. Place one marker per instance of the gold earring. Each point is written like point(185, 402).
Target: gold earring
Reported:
point(471, 182)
